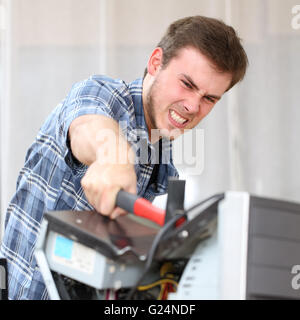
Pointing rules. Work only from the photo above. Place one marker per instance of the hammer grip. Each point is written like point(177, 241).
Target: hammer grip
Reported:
point(140, 207)
point(126, 200)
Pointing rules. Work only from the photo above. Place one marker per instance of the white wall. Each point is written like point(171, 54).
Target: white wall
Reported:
point(251, 137)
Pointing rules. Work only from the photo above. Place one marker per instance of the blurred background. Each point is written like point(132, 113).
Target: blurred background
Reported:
point(251, 138)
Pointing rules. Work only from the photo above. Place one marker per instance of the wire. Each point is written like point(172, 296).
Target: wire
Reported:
point(156, 283)
point(165, 288)
point(166, 271)
point(217, 196)
point(161, 233)
point(165, 268)
point(161, 293)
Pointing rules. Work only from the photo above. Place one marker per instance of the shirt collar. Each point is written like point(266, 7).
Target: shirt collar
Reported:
point(136, 91)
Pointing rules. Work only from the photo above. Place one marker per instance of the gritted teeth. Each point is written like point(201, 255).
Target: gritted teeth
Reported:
point(176, 117)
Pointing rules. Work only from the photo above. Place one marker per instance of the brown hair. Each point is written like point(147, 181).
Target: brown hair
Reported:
point(213, 38)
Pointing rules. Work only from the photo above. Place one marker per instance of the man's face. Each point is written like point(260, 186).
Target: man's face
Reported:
point(184, 92)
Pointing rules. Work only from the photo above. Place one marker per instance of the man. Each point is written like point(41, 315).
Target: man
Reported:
point(73, 164)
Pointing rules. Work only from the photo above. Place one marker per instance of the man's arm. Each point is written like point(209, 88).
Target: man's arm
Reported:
point(97, 142)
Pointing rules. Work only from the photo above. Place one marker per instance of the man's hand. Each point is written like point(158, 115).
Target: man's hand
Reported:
point(97, 142)
point(102, 182)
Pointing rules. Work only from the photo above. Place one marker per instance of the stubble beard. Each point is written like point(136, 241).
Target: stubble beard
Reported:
point(151, 107)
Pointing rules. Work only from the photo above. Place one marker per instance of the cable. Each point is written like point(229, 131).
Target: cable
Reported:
point(165, 289)
point(165, 270)
point(153, 249)
point(156, 283)
point(161, 293)
point(217, 196)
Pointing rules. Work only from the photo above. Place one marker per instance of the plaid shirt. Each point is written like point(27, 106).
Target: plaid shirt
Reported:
point(50, 178)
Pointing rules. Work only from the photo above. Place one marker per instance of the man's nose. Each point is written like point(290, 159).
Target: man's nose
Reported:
point(192, 106)
point(193, 103)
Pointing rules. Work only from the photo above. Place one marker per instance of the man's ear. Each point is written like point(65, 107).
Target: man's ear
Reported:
point(155, 61)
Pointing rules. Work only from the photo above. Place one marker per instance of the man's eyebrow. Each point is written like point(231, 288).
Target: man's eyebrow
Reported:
point(192, 83)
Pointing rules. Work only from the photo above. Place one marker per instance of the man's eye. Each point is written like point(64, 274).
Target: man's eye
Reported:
point(209, 99)
point(188, 85)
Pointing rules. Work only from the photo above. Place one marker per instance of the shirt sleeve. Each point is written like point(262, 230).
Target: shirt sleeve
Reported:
point(86, 97)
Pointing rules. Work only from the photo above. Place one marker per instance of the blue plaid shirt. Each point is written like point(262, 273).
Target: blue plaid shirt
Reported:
point(50, 178)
